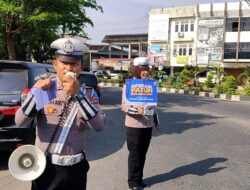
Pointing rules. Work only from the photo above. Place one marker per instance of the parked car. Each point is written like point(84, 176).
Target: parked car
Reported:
point(16, 79)
point(102, 74)
point(114, 75)
point(118, 74)
point(90, 80)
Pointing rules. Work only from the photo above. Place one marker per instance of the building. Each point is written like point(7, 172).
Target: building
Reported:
point(135, 44)
point(203, 35)
point(119, 52)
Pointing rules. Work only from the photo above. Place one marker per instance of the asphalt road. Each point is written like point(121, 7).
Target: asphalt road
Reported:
point(203, 145)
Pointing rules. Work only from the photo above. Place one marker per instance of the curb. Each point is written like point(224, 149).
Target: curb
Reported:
point(235, 98)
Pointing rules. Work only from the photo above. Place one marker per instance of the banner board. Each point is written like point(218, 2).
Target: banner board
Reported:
point(141, 92)
point(210, 40)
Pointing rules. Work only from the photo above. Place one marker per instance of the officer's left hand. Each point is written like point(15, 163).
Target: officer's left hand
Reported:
point(70, 85)
point(44, 84)
point(157, 127)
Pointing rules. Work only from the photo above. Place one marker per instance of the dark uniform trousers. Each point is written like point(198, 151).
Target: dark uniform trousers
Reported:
point(138, 140)
point(57, 177)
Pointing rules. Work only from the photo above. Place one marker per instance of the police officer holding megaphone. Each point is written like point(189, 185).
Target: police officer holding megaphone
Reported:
point(58, 160)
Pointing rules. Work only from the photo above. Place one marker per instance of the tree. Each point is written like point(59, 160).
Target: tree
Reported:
point(21, 17)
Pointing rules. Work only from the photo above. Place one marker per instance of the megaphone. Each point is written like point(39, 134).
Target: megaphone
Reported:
point(27, 163)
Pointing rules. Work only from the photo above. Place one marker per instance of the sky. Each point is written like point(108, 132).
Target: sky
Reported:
point(128, 16)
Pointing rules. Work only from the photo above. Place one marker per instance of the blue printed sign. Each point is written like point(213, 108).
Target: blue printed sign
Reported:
point(141, 92)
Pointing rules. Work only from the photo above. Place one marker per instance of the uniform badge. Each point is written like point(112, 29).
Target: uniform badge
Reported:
point(68, 47)
point(50, 110)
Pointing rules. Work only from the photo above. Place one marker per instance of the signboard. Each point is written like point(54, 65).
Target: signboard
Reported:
point(141, 92)
point(158, 27)
point(182, 59)
point(157, 54)
point(210, 40)
point(116, 63)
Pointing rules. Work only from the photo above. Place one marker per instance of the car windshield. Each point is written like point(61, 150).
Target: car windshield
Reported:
point(13, 81)
point(88, 80)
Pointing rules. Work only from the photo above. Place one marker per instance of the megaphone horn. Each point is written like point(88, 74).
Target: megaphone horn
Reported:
point(27, 163)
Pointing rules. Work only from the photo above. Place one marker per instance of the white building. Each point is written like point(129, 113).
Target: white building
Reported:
point(203, 34)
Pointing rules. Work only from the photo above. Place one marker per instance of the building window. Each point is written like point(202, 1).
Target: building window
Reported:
point(182, 27)
point(156, 59)
point(230, 50)
point(192, 26)
point(244, 50)
point(186, 27)
point(175, 51)
point(184, 51)
point(176, 27)
point(180, 51)
point(245, 24)
point(190, 51)
point(232, 25)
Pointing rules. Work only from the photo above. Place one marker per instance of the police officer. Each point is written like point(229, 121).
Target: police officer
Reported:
point(66, 166)
point(138, 129)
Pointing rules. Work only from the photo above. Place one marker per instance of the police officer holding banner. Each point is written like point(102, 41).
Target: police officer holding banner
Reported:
point(62, 120)
point(139, 121)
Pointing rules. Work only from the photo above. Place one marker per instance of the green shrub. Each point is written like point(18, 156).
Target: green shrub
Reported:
point(102, 80)
point(209, 82)
point(220, 89)
point(179, 85)
point(185, 75)
point(230, 82)
point(247, 91)
point(228, 86)
point(115, 81)
point(231, 91)
point(172, 79)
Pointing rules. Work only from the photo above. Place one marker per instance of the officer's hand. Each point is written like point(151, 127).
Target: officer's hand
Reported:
point(70, 85)
point(140, 110)
point(157, 127)
point(44, 84)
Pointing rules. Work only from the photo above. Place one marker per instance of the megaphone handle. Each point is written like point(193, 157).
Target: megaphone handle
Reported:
point(64, 111)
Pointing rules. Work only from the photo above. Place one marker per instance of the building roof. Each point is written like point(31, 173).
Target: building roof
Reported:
point(103, 48)
point(125, 38)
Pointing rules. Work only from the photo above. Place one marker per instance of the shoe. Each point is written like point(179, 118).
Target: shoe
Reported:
point(143, 184)
point(136, 188)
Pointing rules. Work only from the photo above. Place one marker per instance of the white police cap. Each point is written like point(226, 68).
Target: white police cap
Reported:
point(69, 46)
point(141, 61)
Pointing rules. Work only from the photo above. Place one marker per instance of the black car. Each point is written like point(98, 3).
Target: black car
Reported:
point(16, 79)
point(90, 80)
